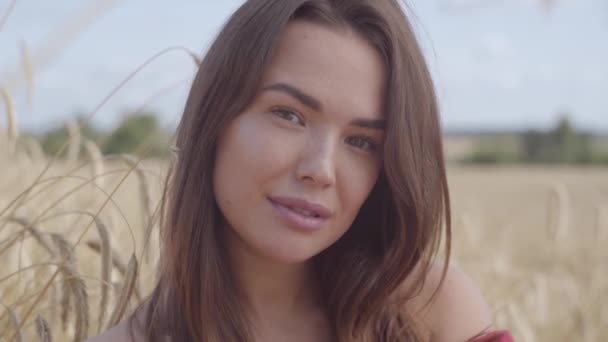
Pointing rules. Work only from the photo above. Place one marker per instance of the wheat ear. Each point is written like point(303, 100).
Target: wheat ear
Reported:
point(96, 157)
point(11, 120)
point(30, 227)
point(42, 330)
point(125, 292)
point(74, 286)
point(106, 261)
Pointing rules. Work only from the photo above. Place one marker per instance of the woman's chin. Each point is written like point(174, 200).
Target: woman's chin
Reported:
point(289, 254)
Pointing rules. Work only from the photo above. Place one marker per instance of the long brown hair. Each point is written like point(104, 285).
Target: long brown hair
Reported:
point(398, 229)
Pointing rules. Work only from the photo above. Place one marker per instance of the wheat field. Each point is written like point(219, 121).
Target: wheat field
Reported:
point(79, 237)
point(74, 259)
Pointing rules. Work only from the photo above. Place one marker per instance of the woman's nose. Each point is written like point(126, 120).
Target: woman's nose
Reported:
point(316, 164)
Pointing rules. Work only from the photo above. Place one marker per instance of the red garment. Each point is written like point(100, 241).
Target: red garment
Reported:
point(494, 336)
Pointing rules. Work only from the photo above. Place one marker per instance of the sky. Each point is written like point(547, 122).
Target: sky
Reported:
point(497, 65)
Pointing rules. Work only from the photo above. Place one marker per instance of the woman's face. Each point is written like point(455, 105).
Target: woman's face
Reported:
point(293, 169)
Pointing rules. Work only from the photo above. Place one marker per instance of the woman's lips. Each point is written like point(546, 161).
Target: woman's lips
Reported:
point(300, 213)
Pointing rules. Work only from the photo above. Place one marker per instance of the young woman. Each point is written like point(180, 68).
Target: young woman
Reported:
point(309, 195)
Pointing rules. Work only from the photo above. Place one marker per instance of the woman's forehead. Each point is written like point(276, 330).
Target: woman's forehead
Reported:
point(340, 69)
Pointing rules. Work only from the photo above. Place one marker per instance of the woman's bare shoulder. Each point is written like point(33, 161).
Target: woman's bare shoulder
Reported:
point(458, 309)
point(118, 333)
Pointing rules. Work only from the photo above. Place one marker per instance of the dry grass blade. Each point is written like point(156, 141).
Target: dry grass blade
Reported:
point(145, 198)
point(105, 249)
point(7, 13)
point(14, 321)
point(74, 137)
point(522, 328)
point(558, 212)
point(197, 60)
point(11, 119)
point(28, 72)
point(82, 308)
point(40, 294)
point(118, 264)
point(126, 292)
point(54, 303)
point(25, 194)
point(34, 149)
point(74, 285)
point(9, 242)
point(58, 39)
point(96, 158)
point(64, 250)
point(601, 223)
point(42, 330)
point(29, 226)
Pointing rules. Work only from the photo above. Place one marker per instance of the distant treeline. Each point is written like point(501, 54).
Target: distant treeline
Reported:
point(562, 144)
point(138, 133)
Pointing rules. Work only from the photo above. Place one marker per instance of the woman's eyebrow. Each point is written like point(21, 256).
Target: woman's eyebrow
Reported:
point(369, 123)
point(299, 95)
point(313, 103)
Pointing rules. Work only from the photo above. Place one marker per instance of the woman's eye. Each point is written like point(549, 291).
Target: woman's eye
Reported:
point(363, 143)
point(288, 115)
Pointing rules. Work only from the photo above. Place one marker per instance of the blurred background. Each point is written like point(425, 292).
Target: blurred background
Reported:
point(522, 86)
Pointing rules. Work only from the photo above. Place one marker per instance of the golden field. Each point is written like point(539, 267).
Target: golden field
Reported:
point(533, 238)
point(73, 258)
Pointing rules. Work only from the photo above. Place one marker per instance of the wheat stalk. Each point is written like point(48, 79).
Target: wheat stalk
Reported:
point(75, 138)
point(519, 323)
point(558, 212)
point(14, 321)
point(54, 303)
point(96, 159)
point(471, 225)
point(74, 286)
point(541, 304)
point(119, 265)
point(195, 58)
point(145, 198)
point(42, 330)
point(39, 296)
point(34, 149)
point(63, 247)
point(106, 261)
point(601, 223)
point(125, 293)
point(28, 71)
point(97, 108)
point(7, 13)
point(11, 119)
point(30, 227)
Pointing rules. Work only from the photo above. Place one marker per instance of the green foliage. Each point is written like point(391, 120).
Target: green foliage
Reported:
point(138, 133)
point(561, 145)
point(491, 157)
point(56, 137)
point(494, 150)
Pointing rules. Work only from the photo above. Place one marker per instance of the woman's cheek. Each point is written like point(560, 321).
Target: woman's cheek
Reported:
point(356, 179)
point(275, 145)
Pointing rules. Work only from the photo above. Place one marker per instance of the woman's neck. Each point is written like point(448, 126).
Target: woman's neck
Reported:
point(273, 289)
